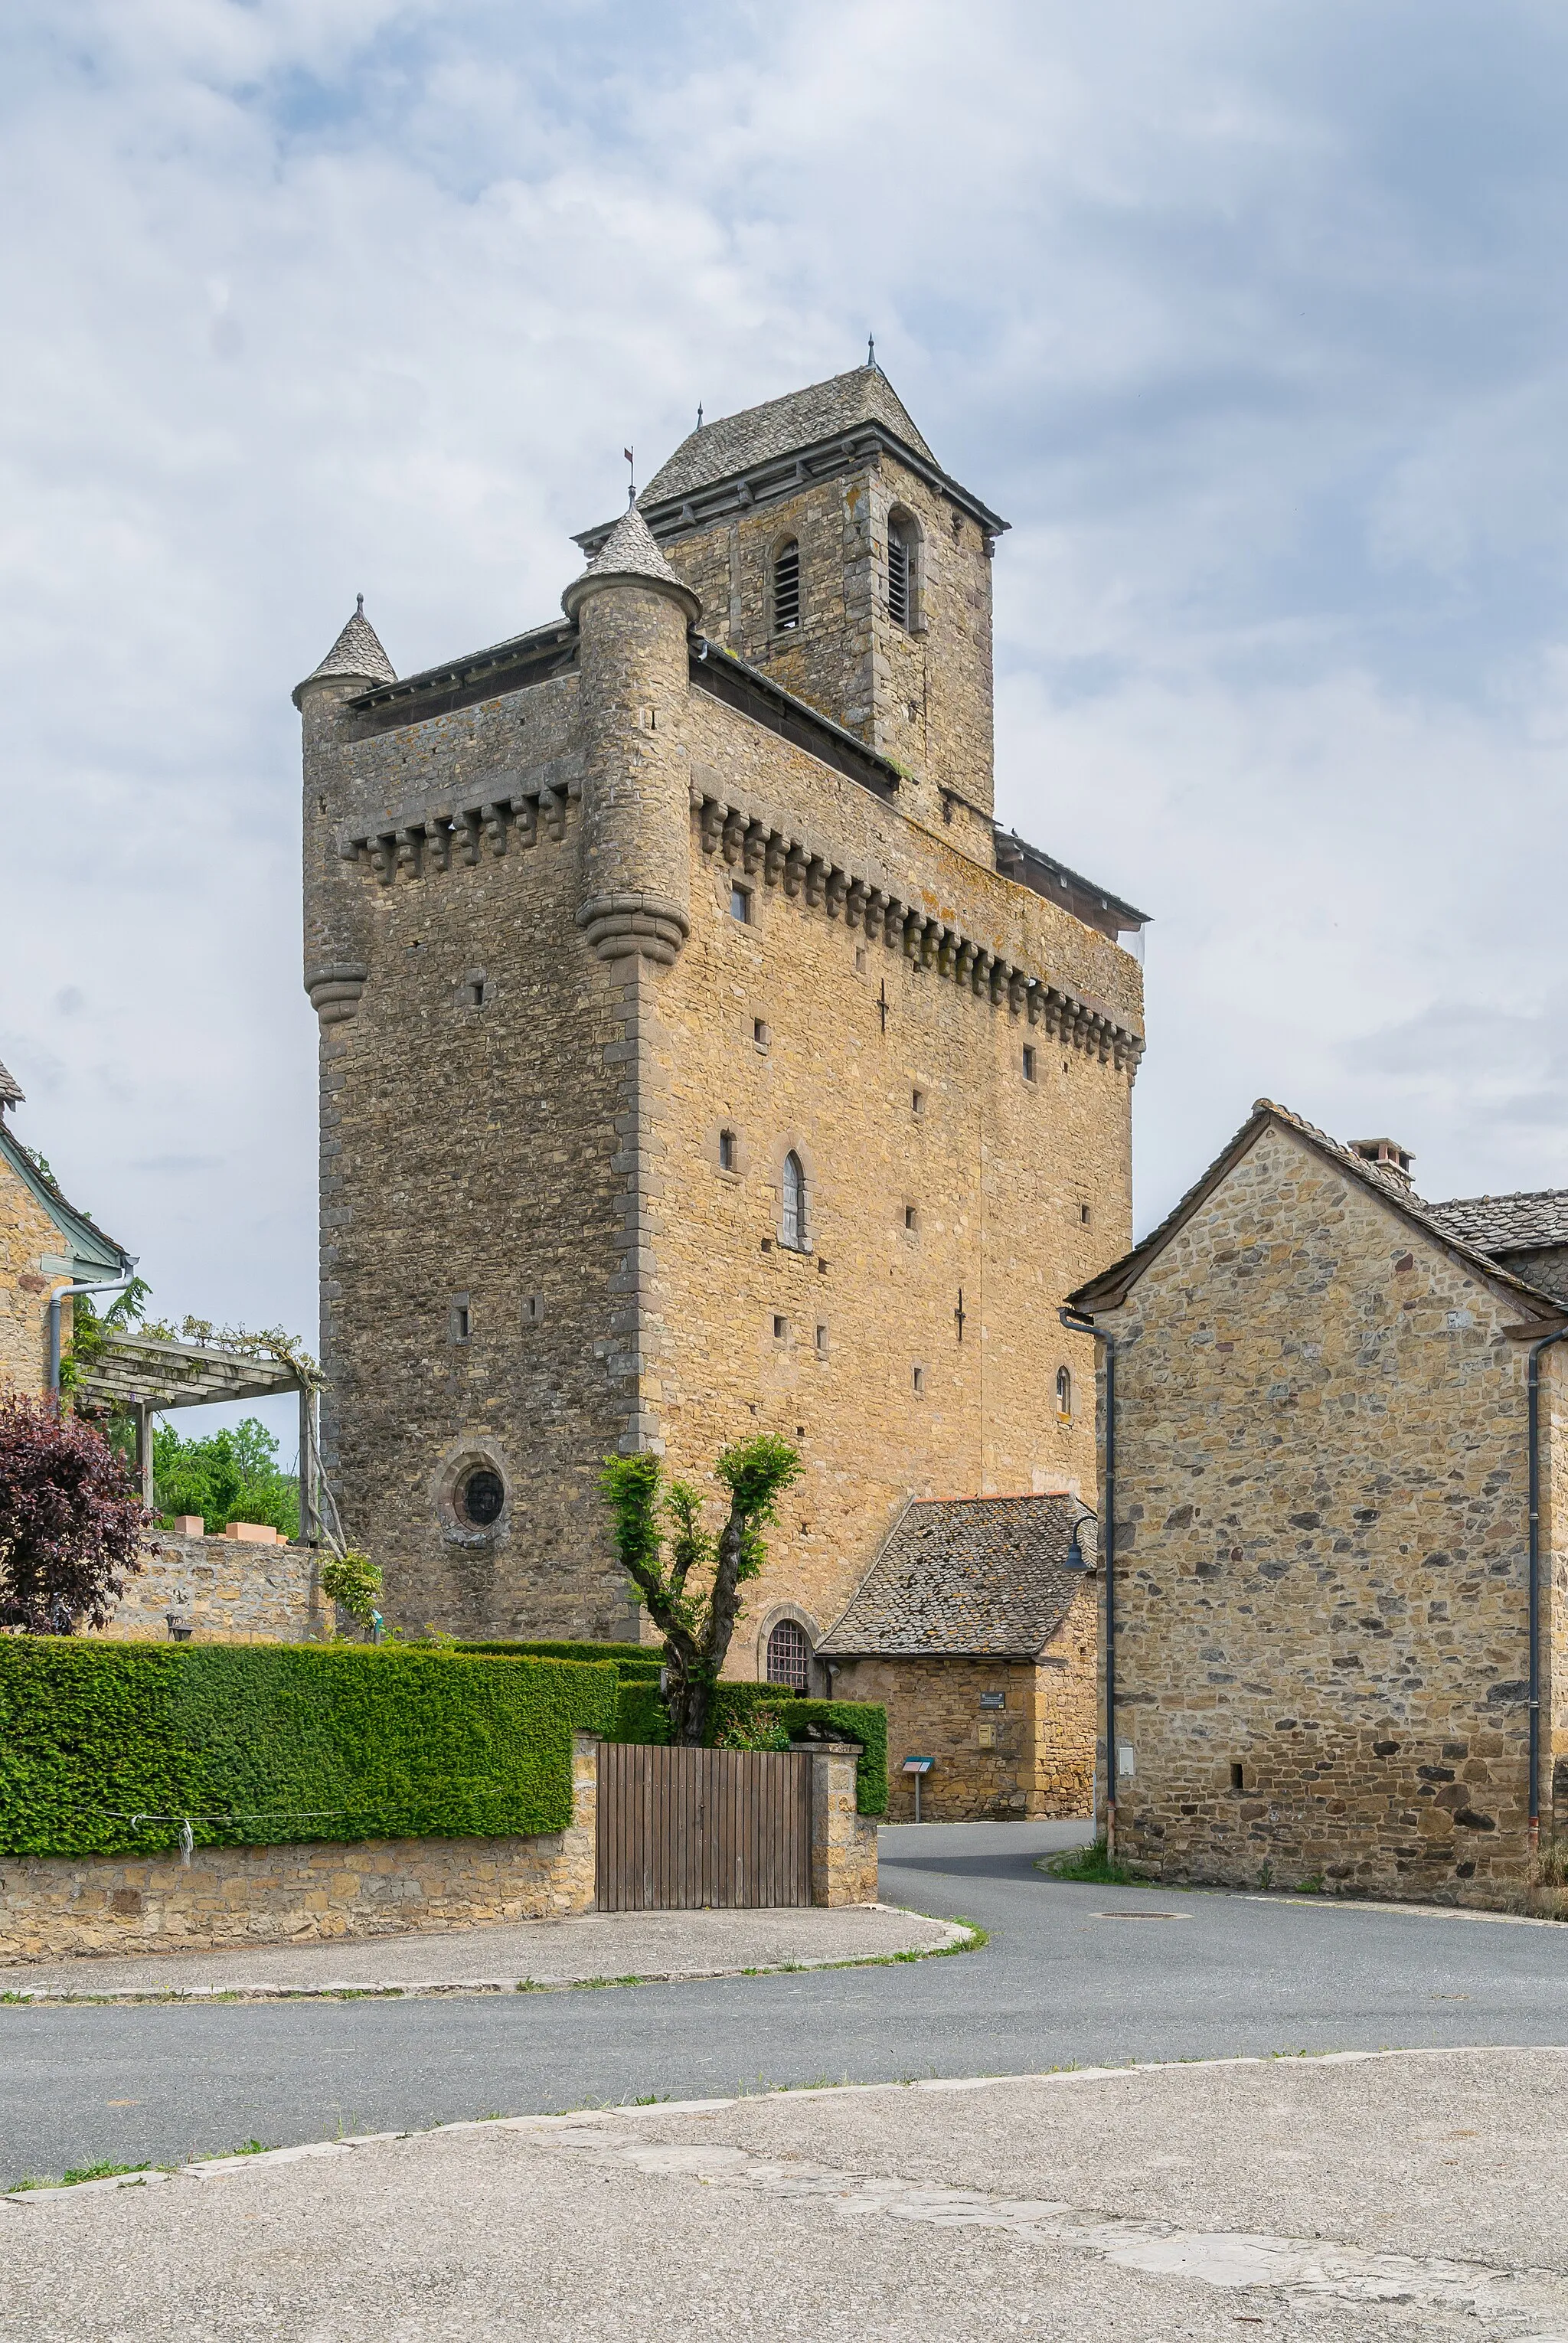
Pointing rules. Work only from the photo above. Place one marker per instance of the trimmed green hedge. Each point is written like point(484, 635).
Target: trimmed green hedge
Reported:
point(264, 1745)
point(853, 1719)
point(631, 1659)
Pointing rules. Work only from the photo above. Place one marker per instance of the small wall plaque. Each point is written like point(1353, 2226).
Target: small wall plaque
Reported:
point(993, 1700)
point(917, 1764)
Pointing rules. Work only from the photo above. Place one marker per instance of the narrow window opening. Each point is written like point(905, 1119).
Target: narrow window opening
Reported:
point(1063, 1392)
point(789, 1655)
point(918, 1101)
point(787, 589)
point(900, 575)
point(1029, 1061)
point(760, 1033)
point(860, 959)
point(473, 992)
point(457, 1321)
point(1238, 1780)
point(741, 905)
point(726, 1150)
point(821, 1342)
point(533, 1310)
point(911, 1218)
point(919, 1382)
point(1083, 1214)
point(780, 1328)
point(792, 1225)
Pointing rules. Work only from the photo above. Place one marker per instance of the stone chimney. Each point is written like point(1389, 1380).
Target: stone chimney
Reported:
point(1388, 1156)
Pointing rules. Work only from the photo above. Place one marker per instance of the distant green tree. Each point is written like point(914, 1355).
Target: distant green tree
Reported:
point(230, 1475)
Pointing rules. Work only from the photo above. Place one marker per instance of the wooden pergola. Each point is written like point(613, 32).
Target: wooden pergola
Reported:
point(141, 1378)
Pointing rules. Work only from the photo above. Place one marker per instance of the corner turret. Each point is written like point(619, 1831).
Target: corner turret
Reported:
point(633, 615)
point(336, 949)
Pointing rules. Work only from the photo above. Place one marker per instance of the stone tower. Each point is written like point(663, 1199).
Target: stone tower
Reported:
point(697, 1056)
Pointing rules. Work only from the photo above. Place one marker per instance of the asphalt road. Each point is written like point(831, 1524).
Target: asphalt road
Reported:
point(1058, 1985)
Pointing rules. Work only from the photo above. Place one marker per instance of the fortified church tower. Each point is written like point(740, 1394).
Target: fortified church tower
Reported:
point(697, 1056)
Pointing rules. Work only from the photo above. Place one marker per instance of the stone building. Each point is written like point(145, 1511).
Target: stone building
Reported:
point(698, 1056)
point(1329, 1618)
point(975, 1630)
point(45, 1247)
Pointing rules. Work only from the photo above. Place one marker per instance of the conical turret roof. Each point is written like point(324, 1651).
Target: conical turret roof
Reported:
point(356, 653)
point(629, 551)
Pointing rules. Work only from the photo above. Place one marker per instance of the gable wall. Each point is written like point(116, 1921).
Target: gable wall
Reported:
point(26, 1234)
point(1321, 1534)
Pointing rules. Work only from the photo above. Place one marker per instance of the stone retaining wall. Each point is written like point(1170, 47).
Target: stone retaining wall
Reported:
point(52, 1906)
point(229, 1590)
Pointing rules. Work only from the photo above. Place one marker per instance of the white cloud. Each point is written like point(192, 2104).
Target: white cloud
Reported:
point(1236, 311)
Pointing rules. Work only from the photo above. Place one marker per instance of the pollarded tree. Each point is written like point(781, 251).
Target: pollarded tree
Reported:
point(695, 1612)
point(72, 1526)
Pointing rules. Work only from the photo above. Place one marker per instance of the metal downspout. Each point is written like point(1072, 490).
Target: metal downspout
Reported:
point(1078, 1326)
point(69, 1292)
point(1532, 1385)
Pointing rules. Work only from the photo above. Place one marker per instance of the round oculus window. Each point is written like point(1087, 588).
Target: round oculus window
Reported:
point(481, 1497)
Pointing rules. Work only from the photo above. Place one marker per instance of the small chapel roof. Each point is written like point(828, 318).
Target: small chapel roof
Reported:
point(982, 1575)
point(1527, 1222)
point(1109, 1289)
point(757, 434)
point(11, 1093)
point(629, 551)
point(358, 652)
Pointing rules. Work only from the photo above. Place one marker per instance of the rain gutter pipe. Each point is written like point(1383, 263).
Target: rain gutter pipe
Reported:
point(1076, 1325)
point(1532, 1385)
point(69, 1293)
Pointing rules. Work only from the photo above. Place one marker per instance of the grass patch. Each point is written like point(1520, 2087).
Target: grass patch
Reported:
point(1090, 1866)
point(78, 2173)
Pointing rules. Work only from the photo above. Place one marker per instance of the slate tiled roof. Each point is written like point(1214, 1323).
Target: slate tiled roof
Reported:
point(356, 652)
point(1107, 1289)
point(1532, 1220)
point(11, 1093)
point(629, 551)
point(798, 420)
point(967, 1575)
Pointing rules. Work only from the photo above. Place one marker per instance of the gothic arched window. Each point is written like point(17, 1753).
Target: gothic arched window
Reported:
point(789, 1656)
point(792, 1221)
point(787, 587)
point(1063, 1392)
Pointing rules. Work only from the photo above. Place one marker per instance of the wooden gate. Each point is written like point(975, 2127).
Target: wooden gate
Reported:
point(681, 1830)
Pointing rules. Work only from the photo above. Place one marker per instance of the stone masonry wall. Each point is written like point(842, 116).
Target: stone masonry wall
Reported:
point(1019, 1187)
point(230, 1591)
point(1321, 1528)
point(26, 1235)
point(922, 696)
point(55, 1907)
point(1034, 1756)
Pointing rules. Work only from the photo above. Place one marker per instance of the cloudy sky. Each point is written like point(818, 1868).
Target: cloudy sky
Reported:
point(1248, 313)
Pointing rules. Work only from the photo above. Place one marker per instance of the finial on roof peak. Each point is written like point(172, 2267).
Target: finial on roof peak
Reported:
point(359, 605)
point(871, 352)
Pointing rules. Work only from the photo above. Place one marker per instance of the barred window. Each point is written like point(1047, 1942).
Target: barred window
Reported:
point(792, 1223)
point(789, 1655)
point(787, 587)
point(901, 574)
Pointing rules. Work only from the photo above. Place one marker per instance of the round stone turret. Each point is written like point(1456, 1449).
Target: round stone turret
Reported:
point(336, 944)
point(633, 615)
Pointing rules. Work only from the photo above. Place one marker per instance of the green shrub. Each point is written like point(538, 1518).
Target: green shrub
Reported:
point(231, 1475)
point(264, 1744)
point(851, 1720)
point(631, 1659)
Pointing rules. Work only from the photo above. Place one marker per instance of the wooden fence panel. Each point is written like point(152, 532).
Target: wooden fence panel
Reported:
point(687, 1830)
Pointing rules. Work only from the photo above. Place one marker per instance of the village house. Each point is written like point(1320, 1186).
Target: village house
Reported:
point(700, 1055)
point(975, 1630)
point(46, 1248)
point(1334, 1605)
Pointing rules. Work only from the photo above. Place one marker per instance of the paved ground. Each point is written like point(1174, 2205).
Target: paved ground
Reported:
point(1057, 1984)
point(597, 1948)
point(1407, 2199)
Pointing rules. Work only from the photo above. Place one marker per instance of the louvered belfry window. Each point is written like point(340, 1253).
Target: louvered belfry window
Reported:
point(787, 589)
point(900, 580)
point(789, 1655)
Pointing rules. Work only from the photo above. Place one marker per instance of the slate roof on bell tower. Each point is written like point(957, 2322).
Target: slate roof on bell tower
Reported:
point(799, 420)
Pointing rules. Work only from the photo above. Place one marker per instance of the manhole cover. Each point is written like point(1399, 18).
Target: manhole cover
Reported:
point(1143, 1916)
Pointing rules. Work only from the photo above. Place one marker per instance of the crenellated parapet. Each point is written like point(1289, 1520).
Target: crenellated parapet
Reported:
point(461, 833)
point(748, 839)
